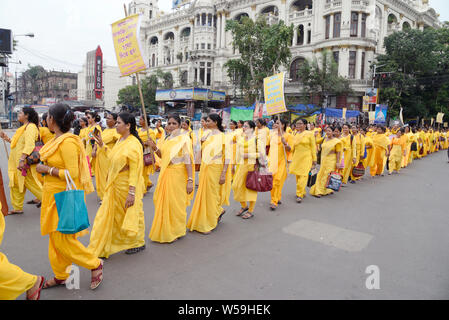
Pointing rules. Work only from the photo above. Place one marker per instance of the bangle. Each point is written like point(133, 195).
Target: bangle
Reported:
point(190, 179)
point(132, 193)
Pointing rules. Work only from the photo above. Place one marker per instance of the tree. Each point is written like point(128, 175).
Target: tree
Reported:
point(130, 96)
point(414, 72)
point(320, 78)
point(30, 81)
point(263, 49)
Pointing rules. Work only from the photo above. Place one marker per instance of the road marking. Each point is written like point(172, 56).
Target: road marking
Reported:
point(329, 235)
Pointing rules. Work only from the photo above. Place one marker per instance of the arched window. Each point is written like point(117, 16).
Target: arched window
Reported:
point(406, 26)
point(294, 68)
point(240, 16)
point(301, 5)
point(392, 19)
point(169, 36)
point(271, 10)
point(154, 41)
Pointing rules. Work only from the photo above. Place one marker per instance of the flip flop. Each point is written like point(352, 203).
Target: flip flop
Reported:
point(38, 291)
point(249, 216)
point(11, 213)
point(221, 216)
point(240, 213)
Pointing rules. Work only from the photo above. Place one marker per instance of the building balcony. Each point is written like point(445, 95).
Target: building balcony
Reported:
point(205, 29)
point(169, 43)
point(202, 53)
point(301, 15)
point(332, 6)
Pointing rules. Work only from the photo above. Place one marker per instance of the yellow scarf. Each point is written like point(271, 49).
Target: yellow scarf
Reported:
point(17, 136)
point(381, 140)
point(53, 145)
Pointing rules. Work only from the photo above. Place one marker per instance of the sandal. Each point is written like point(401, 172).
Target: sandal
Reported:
point(10, 213)
point(248, 215)
point(241, 212)
point(33, 202)
point(135, 250)
point(38, 291)
point(273, 207)
point(221, 216)
point(298, 199)
point(56, 283)
point(317, 196)
point(279, 202)
point(97, 280)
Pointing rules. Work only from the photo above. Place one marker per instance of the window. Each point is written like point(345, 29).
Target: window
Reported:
point(336, 55)
point(328, 26)
point(352, 63)
point(300, 39)
point(337, 25)
point(363, 35)
point(363, 66)
point(208, 46)
point(294, 68)
point(203, 46)
point(354, 24)
point(309, 36)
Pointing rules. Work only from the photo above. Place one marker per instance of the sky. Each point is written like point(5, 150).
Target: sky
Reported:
point(65, 30)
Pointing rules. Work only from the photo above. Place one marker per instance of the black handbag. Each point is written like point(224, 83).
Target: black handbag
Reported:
point(312, 180)
point(35, 157)
point(414, 146)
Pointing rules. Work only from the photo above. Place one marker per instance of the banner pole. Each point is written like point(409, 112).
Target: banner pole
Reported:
point(142, 102)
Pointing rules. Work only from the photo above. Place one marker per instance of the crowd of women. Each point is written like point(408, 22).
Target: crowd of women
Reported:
point(121, 158)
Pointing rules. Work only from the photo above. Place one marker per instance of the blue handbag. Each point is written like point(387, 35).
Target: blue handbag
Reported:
point(72, 209)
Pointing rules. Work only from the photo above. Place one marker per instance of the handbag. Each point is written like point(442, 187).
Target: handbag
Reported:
point(34, 157)
point(148, 158)
point(358, 171)
point(312, 178)
point(414, 146)
point(260, 181)
point(334, 181)
point(72, 210)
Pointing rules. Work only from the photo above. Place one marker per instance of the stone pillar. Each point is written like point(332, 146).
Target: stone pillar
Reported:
point(192, 28)
point(295, 36)
point(359, 25)
point(343, 65)
point(223, 30)
point(218, 30)
point(358, 64)
point(331, 28)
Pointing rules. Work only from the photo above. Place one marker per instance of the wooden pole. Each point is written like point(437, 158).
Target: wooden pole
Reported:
point(4, 202)
point(4, 144)
point(142, 102)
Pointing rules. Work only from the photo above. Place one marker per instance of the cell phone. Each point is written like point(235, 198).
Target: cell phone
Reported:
point(96, 132)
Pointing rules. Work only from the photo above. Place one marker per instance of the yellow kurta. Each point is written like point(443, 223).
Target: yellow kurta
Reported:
point(241, 193)
point(369, 160)
point(45, 134)
point(83, 136)
point(350, 151)
point(23, 142)
point(381, 142)
point(147, 170)
point(396, 153)
point(13, 280)
point(109, 137)
point(277, 162)
point(170, 197)
point(65, 153)
point(116, 228)
point(207, 206)
point(329, 150)
point(303, 155)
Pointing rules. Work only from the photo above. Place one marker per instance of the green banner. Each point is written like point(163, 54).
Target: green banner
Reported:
point(243, 114)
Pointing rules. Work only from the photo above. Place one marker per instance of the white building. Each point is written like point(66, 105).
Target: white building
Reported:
point(112, 83)
point(192, 43)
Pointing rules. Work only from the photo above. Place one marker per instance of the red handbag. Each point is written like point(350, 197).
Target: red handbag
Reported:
point(260, 181)
point(358, 171)
point(34, 157)
point(148, 159)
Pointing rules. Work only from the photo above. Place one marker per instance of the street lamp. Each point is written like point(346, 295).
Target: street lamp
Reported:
point(30, 35)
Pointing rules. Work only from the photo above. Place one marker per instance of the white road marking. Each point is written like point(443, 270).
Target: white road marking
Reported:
point(329, 235)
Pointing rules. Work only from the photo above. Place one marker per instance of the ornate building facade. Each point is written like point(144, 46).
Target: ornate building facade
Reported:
point(193, 45)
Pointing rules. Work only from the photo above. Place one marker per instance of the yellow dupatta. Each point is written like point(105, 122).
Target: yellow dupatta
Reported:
point(17, 135)
point(381, 140)
point(53, 145)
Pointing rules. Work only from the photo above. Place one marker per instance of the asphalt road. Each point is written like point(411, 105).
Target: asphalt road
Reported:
point(319, 249)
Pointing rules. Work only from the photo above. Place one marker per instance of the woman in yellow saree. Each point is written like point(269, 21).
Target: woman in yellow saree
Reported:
point(45, 133)
point(331, 152)
point(145, 134)
point(174, 189)
point(109, 137)
point(249, 149)
point(120, 223)
point(13, 280)
point(83, 131)
point(23, 177)
point(64, 153)
point(207, 208)
point(350, 152)
point(368, 162)
point(396, 152)
point(381, 143)
point(304, 157)
point(359, 141)
point(280, 147)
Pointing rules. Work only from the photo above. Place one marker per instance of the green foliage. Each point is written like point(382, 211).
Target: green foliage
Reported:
point(130, 95)
point(263, 48)
point(416, 65)
point(320, 78)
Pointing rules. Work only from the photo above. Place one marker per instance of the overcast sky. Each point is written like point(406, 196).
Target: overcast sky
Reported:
point(65, 30)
